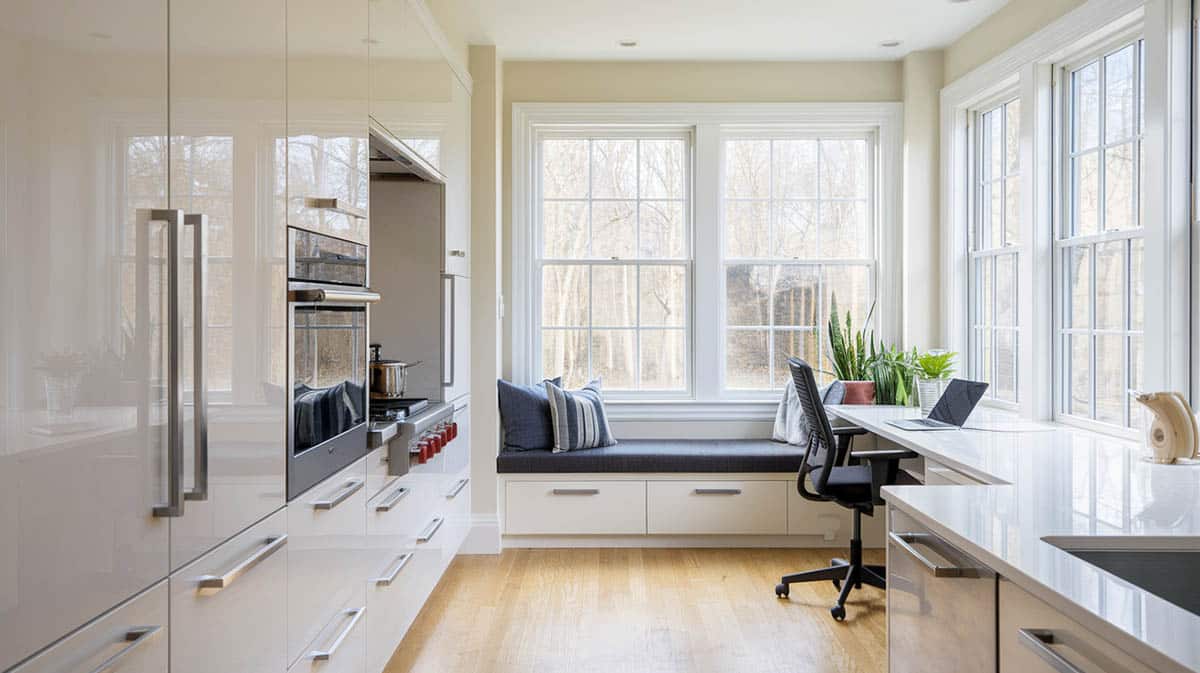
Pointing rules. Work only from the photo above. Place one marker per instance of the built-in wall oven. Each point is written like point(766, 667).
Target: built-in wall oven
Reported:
point(328, 386)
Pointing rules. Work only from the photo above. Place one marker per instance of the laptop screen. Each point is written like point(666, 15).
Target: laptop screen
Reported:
point(957, 403)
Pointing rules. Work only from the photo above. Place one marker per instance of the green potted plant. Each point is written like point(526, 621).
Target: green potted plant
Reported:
point(851, 360)
point(933, 371)
point(892, 370)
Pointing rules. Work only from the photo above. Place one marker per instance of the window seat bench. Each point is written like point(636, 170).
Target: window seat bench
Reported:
point(665, 493)
point(659, 455)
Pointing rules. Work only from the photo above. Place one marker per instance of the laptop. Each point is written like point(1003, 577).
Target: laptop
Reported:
point(952, 408)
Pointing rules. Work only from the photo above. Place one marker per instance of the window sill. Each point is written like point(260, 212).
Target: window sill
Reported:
point(691, 410)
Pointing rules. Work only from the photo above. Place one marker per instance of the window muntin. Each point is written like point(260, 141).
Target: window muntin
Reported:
point(614, 258)
point(1099, 247)
point(993, 260)
point(798, 228)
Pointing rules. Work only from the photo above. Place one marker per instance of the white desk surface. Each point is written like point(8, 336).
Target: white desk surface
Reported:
point(1062, 482)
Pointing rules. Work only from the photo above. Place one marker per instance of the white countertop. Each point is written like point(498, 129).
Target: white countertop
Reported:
point(1061, 482)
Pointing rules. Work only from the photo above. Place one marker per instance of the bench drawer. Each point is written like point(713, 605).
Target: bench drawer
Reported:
point(575, 507)
point(717, 507)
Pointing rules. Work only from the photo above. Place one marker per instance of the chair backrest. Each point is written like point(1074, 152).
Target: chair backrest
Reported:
point(821, 453)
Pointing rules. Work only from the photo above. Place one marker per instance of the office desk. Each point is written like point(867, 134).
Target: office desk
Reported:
point(1063, 482)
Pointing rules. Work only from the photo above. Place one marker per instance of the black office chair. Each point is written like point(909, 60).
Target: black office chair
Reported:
point(852, 480)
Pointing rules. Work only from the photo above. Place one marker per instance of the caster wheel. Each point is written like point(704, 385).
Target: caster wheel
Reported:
point(781, 591)
point(838, 612)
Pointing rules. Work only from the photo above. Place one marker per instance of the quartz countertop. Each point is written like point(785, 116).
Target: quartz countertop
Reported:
point(1059, 482)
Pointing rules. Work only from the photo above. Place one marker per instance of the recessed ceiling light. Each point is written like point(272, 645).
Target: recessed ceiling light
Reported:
point(627, 43)
point(100, 36)
point(890, 43)
point(957, 2)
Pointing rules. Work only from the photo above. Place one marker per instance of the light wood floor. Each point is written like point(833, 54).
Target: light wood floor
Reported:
point(641, 611)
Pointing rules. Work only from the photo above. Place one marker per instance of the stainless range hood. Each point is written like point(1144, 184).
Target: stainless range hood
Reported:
point(391, 157)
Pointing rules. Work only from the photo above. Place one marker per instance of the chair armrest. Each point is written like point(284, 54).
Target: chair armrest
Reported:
point(849, 431)
point(884, 454)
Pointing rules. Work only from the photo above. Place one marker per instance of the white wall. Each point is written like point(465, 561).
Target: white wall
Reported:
point(922, 77)
point(1009, 25)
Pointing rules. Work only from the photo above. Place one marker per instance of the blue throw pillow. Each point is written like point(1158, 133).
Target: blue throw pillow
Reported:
point(578, 417)
point(525, 415)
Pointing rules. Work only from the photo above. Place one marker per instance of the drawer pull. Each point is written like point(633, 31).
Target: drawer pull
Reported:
point(327, 654)
point(576, 491)
point(1039, 641)
point(458, 487)
point(458, 253)
point(396, 496)
point(431, 530)
point(401, 561)
point(136, 637)
point(211, 584)
point(717, 491)
point(907, 542)
point(348, 489)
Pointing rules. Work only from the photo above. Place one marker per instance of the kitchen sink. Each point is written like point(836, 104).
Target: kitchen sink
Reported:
point(1169, 569)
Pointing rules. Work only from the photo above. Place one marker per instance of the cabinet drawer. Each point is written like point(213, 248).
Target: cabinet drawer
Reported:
point(1067, 639)
point(403, 581)
point(133, 636)
point(341, 644)
point(937, 474)
point(456, 506)
point(575, 507)
point(377, 471)
point(229, 607)
point(327, 553)
point(717, 507)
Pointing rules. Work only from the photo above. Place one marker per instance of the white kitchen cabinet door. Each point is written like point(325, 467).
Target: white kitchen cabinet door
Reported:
point(327, 554)
point(220, 166)
point(341, 645)
point(716, 507)
point(456, 336)
point(229, 608)
point(83, 129)
point(456, 165)
point(327, 117)
point(456, 456)
point(132, 638)
point(1032, 633)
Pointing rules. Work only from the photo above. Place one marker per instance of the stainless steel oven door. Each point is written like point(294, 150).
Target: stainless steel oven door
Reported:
point(327, 416)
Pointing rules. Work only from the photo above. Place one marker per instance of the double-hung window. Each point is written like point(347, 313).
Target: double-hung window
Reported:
point(1099, 243)
point(798, 214)
point(614, 257)
point(993, 259)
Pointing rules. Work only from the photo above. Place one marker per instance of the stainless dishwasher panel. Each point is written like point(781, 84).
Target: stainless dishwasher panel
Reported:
point(941, 606)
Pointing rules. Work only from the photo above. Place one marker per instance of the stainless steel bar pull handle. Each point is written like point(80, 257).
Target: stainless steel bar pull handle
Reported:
point(136, 637)
point(320, 295)
point(390, 502)
point(327, 654)
point(199, 225)
point(717, 491)
point(334, 205)
point(173, 220)
point(211, 584)
point(345, 491)
point(458, 487)
point(575, 491)
point(458, 253)
point(450, 326)
point(430, 530)
point(906, 542)
point(401, 561)
point(1039, 641)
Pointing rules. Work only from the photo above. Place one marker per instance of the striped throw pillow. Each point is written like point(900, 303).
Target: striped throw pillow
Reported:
point(578, 417)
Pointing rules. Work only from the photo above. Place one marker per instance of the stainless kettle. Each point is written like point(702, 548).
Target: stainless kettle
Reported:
point(389, 378)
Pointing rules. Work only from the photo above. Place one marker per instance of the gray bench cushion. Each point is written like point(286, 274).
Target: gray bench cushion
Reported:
point(660, 455)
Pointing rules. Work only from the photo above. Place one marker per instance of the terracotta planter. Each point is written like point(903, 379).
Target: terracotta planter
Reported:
point(859, 392)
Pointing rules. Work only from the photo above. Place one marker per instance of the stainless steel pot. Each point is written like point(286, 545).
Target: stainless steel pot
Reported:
point(389, 378)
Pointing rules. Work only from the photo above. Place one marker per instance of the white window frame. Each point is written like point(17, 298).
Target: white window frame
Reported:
point(967, 359)
point(1029, 65)
point(708, 122)
point(871, 136)
point(539, 261)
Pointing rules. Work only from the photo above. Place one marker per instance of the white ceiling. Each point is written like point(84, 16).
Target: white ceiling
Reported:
point(710, 29)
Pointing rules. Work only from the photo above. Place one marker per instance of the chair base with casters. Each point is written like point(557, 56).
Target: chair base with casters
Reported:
point(850, 479)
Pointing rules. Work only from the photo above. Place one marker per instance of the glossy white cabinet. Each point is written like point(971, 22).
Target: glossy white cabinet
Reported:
point(83, 127)
point(327, 123)
point(229, 608)
point(1033, 634)
point(327, 555)
point(226, 162)
point(575, 507)
point(716, 507)
point(456, 336)
point(341, 646)
point(132, 638)
point(456, 165)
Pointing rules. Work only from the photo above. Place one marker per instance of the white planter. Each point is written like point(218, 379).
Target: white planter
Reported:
point(929, 391)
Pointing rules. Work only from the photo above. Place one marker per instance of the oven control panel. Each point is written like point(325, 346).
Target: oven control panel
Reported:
point(421, 438)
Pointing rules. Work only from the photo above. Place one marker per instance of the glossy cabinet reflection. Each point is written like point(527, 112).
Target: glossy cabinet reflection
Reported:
point(83, 128)
point(226, 158)
point(327, 92)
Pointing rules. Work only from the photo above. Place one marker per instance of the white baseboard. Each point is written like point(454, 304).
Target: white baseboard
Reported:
point(676, 541)
point(484, 536)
